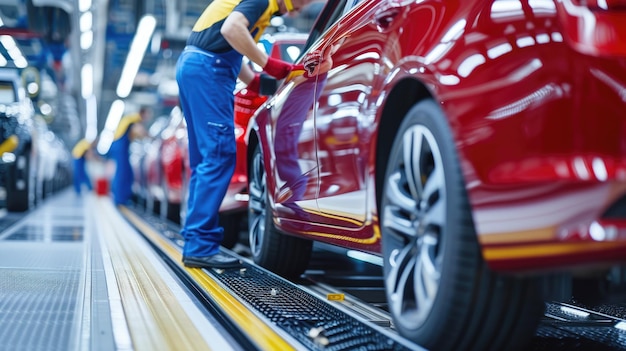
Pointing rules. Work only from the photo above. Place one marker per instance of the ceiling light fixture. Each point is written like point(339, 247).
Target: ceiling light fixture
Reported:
point(138, 47)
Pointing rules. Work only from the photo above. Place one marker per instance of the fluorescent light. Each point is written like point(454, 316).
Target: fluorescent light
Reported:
point(138, 47)
point(113, 119)
point(91, 129)
point(104, 142)
point(86, 21)
point(115, 114)
point(86, 40)
point(14, 52)
point(84, 5)
point(86, 76)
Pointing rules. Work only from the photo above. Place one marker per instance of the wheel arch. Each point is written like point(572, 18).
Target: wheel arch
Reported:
point(402, 97)
point(252, 143)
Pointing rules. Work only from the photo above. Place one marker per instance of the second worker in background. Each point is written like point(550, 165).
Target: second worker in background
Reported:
point(130, 127)
point(206, 73)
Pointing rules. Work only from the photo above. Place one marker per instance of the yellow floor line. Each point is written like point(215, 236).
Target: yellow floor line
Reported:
point(155, 318)
point(260, 333)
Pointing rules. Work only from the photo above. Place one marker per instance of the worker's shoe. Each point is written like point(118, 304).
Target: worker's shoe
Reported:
point(218, 260)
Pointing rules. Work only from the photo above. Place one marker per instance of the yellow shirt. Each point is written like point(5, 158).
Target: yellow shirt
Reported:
point(125, 123)
point(80, 148)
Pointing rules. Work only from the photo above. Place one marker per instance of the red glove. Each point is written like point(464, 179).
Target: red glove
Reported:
point(277, 68)
point(255, 85)
point(301, 67)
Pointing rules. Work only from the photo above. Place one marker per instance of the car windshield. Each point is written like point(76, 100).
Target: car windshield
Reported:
point(7, 93)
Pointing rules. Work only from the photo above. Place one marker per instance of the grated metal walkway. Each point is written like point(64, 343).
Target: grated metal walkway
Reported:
point(74, 280)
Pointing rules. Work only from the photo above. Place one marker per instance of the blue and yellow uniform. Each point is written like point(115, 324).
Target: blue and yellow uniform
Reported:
point(79, 153)
point(206, 73)
point(206, 34)
point(121, 185)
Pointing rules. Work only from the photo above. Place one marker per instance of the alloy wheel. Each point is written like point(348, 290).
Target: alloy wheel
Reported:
point(414, 217)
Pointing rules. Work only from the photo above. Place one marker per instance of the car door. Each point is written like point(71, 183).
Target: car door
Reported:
point(285, 127)
point(344, 117)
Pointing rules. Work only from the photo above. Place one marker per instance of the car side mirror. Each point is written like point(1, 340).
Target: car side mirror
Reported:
point(268, 85)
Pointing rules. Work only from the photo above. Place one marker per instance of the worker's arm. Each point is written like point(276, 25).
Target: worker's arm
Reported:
point(235, 31)
point(246, 74)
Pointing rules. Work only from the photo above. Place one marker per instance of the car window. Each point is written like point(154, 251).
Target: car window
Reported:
point(290, 52)
point(331, 13)
point(7, 93)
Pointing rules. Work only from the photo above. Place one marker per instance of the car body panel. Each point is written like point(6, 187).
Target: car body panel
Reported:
point(537, 124)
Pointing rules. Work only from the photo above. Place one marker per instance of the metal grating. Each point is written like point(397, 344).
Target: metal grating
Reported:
point(313, 322)
point(41, 233)
point(37, 309)
point(578, 329)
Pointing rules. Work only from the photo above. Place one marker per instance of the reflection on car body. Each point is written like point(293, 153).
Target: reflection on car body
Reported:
point(477, 147)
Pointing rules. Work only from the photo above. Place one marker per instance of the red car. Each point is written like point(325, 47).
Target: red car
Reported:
point(477, 147)
point(174, 161)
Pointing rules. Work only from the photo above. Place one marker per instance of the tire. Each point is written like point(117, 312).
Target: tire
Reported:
point(19, 185)
point(285, 255)
point(165, 205)
point(441, 293)
point(170, 211)
point(591, 291)
point(232, 228)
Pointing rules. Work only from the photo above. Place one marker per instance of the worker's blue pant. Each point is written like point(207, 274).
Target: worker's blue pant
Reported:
point(121, 185)
point(80, 175)
point(206, 83)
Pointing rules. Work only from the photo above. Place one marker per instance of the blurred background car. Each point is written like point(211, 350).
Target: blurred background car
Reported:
point(35, 125)
point(476, 147)
point(18, 153)
point(143, 153)
point(54, 161)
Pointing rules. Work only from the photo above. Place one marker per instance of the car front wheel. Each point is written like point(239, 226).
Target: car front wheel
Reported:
point(441, 294)
point(283, 254)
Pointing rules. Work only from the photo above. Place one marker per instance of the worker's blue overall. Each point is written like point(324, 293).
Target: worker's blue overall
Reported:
point(121, 185)
point(79, 153)
point(209, 112)
point(206, 73)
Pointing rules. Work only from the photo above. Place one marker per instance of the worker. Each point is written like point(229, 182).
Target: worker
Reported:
point(130, 127)
point(80, 154)
point(206, 72)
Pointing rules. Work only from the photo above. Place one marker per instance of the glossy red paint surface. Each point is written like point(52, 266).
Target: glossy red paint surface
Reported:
point(535, 106)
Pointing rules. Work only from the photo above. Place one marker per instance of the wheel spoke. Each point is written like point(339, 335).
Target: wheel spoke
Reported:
point(434, 215)
point(427, 274)
point(397, 222)
point(256, 229)
point(255, 203)
point(398, 196)
point(434, 183)
point(398, 277)
point(257, 186)
point(411, 154)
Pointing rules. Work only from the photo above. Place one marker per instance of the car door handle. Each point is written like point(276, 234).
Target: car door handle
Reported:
point(384, 17)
